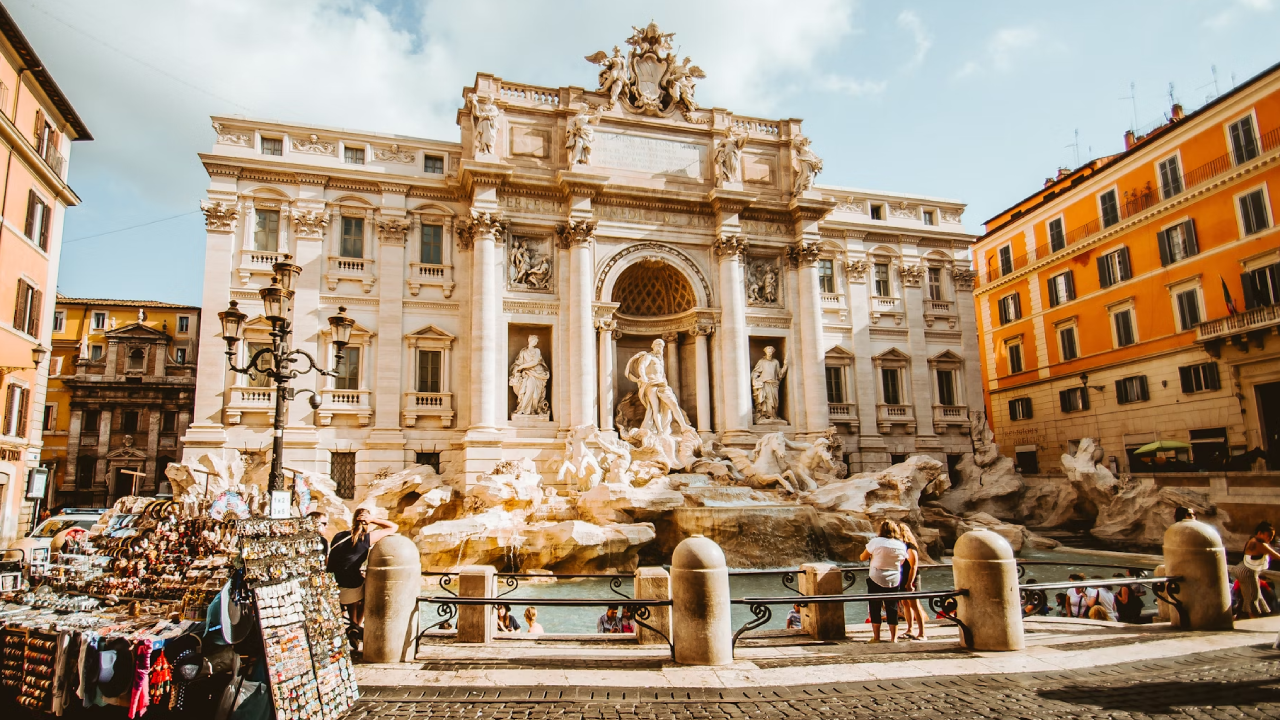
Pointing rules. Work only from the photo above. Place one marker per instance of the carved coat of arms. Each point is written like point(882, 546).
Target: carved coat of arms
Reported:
point(650, 79)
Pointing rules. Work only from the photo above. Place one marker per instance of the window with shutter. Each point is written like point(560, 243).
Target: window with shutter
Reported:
point(1198, 378)
point(1189, 309)
point(1020, 409)
point(1253, 212)
point(1067, 343)
point(10, 409)
point(1073, 400)
point(1015, 358)
point(1131, 389)
point(1124, 270)
point(1110, 208)
point(1123, 323)
point(1244, 143)
point(1186, 379)
point(29, 229)
point(33, 314)
point(1061, 289)
point(20, 306)
point(24, 401)
point(1006, 260)
point(1170, 178)
point(1057, 238)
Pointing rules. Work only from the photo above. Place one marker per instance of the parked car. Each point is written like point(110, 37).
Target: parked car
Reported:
point(37, 544)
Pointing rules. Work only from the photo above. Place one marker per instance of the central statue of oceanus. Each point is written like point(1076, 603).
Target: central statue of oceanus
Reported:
point(664, 439)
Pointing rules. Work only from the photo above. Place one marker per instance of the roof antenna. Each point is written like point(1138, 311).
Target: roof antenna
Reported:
point(1075, 145)
point(1172, 101)
point(1133, 97)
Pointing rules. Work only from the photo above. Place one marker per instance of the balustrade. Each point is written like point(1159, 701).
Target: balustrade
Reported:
point(426, 404)
point(344, 402)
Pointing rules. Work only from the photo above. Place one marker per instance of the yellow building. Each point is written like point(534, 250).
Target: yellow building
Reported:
point(121, 392)
point(37, 126)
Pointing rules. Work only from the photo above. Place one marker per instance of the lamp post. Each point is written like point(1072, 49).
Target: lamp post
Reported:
point(276, 361)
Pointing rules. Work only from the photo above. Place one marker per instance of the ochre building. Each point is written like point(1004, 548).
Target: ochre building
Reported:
point(121, 392)
point(37, 127)
point(1136, 298)
point(594, 222)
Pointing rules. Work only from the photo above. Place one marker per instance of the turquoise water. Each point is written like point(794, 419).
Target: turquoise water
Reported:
point(583, 620)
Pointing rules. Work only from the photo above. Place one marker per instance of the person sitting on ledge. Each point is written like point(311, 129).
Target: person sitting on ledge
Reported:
point(1079, 600)
point(1060, 600)
point(609, 621)
point(1104, 606)
point(1184, 513)
point(793, 618)
point(506, 621)
point(627, 624)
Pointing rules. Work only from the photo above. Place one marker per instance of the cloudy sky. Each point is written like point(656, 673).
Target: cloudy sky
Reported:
point(974, 101)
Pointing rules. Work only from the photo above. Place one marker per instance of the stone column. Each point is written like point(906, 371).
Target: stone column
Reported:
point(700, 622)
point(104, 447)
point(653, 583)
point(984, 565)
point(475, 622)
point(73, 450)
point(579, 236)
point(823, 621)
point(962, 283)
point(221, 215)
point(812, 360)
point(702, 373)
point(1194, 552)
point(388, 371)
point(672, 361)
point(391, 601)
point(605, 345)
point(734, 352)
point(485, 298)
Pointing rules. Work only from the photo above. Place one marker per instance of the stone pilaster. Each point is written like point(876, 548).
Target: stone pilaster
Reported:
point(962, 282)
point(606, 344)
point(388, 373)
point(912, 276)
point(702, 375)
point(149, 483)
point(579, 236)
point(212, 375)
point(804, 254)
point(480, 235)
point(734, 351)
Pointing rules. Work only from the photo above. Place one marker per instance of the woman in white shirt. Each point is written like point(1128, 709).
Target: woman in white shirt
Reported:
point(886, 554)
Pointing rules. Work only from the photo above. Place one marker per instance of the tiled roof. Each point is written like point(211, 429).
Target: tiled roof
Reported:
point(64, 300)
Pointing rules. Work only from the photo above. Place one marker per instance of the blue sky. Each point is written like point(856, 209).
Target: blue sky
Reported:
point(978, 102)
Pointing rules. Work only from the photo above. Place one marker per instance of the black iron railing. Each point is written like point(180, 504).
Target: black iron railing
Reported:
point(1035, 598)
point(942, 602)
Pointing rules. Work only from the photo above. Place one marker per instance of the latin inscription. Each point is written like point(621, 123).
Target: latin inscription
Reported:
point(646, 154)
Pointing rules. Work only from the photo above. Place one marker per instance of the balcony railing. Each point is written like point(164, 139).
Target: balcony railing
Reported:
point(1256, 319)
point(945, 310)
point(258, 262)
point(1135, 202)
point(886, 307)
point(245, 398)
point(830, 298)
point(842, 413)
point(344, 402)
point(54, 159)
point(889, 415)
point(425, 404)
point(944, 415)
point(345, 268)
point(421, 274)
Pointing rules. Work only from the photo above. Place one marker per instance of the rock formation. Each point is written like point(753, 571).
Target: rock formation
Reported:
point(988, 481)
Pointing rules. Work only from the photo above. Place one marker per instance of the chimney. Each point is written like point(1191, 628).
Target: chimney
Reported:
point(1063, 172)
point(1177, 112)
point(1129, 139)
point(1049, 181)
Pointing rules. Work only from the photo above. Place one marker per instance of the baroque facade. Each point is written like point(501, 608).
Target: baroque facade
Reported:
point(122, 378)
point(502, 284)
point(1135, 299)
point(37, 126)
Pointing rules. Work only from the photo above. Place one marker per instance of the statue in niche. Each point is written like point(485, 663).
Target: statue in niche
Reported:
point(614, 75)
point(729, 156)
point(765, 377)
point(762, 286)
point(529, 376)
point(580, 135)
point(807, 165)
point(486, 114)
point(529, 268)
point(664, 440)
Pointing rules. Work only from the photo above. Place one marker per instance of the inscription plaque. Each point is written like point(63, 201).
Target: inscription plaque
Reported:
point(648, 154)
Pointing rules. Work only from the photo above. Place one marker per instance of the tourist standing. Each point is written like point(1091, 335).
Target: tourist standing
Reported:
point(1257, 554)
point(348, 554)
point(627, 623)
point(1128, 604)
point(911, 583)
point(322, 525)
point(886, 554)
point(531, 617)
point(794, 622)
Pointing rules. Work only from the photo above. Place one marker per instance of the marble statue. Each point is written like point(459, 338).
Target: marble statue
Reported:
point(649, 371)
point(765, 377)
point(807, 165)
point(580, 135)
point(769, 463)
point(616, 456)
point(529, 376)
point(486, 114)
point(580, 466)
point(680, 83)
point(614, 75)
point(528, 268)
point(729, 157)
point(142, 316)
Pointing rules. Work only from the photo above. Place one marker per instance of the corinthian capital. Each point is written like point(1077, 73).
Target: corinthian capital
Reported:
point(963, 278)
point(219, 216)
point(309, 224)
point(576, 232)
point(729, 245)
point(392, 230)
point(480, 225)
point(803, 253)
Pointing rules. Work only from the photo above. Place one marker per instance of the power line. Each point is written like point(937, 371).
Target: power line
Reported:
point(140, 61)
point(131, 227)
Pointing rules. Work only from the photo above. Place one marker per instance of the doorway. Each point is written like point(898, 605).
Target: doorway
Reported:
point(1268, 395)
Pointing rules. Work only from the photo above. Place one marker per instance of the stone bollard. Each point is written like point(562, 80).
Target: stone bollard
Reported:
point(984, 565)
point(476, 622)
point(391, 600)
point(703, 631)
point(1162, 608)
point(653, 583)
point(1193, 550)
point(824, 621)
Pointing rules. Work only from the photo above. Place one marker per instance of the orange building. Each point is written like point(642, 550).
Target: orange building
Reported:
point(1137, 297)
point(37, 126)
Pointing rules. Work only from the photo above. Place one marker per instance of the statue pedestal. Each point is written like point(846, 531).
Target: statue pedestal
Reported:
point(532, 421)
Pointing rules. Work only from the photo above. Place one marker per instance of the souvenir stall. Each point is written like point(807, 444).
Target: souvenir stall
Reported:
point(204, 610)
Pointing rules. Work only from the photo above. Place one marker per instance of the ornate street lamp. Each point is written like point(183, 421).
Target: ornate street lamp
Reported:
point(276, 361)
point(39, 353)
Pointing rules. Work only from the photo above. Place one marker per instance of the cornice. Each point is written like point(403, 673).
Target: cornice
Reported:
point(810, 209)
point(36, 164)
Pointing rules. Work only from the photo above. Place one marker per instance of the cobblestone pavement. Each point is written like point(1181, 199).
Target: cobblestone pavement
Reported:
point(1238, 683)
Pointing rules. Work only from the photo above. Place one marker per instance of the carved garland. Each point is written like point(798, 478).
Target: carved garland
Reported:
point(392, 230)
point(857, 270)
point(394, 154)
point(911, 275)
point(963, 279)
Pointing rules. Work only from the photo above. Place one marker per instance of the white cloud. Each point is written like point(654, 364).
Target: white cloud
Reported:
point(851, 86)
point(1003, 50)
point(911, 22)
point(1228, 16)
